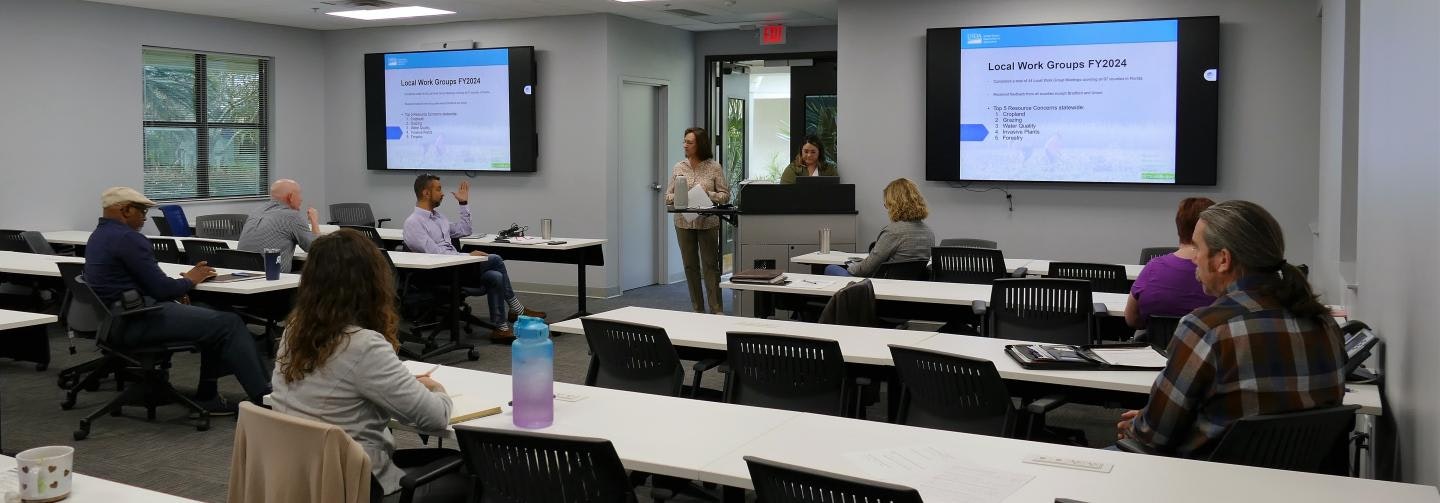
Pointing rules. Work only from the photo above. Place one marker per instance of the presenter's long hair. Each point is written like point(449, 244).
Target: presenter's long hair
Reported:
point(345, 283)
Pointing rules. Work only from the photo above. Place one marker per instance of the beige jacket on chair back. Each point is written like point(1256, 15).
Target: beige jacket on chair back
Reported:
point(285, 458)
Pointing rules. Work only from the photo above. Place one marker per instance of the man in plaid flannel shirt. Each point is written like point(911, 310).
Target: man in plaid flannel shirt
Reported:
point(1265, 346)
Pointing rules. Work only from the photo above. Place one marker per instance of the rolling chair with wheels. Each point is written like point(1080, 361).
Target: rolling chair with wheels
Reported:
point(225, 226)
point(784, 372)
point(506, 468)
point(203, 250)
point(1052, 311)
point(639, 358)
point(1148, 254)
point(777, 482)
point(145, 369)
point(354, 214)
point(970, 242)
point(1298, 441)
point(177, 222)
point(166, 250)
point(959, 393)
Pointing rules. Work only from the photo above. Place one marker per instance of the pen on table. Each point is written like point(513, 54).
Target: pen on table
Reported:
point(428, 372)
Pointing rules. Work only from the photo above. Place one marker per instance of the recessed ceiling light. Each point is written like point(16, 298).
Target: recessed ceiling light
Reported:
point(391, 13)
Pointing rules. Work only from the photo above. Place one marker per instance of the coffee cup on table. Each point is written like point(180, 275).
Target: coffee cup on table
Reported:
point(44, 473)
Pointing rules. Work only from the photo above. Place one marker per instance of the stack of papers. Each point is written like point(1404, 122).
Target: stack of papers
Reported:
point(1130, 357)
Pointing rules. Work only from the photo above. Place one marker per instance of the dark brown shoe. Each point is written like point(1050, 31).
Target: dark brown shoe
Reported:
point(528, 312)
point(505, 336)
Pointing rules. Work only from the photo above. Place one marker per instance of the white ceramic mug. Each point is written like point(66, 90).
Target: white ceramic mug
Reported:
point(45, 473)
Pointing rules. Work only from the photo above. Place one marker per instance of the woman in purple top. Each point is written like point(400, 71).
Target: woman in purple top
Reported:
point(1167, 285)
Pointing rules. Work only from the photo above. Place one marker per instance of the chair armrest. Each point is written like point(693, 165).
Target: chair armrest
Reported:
point(1020, 272)
point(979, 307)
point(1099, 309)
point(706, 364)
point(1046, 404)
point(333, 222)
point(1135, 446)
point(381, 222)
point(136, 312)
point(431, 471)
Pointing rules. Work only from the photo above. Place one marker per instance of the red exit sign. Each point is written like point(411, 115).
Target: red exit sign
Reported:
point(772, 34)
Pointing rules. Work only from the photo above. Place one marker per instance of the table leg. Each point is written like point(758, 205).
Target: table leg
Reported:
point(579, 256)
point(455, 300)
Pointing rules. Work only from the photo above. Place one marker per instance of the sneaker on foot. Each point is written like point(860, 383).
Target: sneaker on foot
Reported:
point(218, 406)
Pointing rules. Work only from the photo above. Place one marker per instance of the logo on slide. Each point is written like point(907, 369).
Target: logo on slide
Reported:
point(974, 38)
point(1210, 75)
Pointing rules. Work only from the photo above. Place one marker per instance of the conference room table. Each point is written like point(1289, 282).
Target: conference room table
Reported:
point(87, 489)
point(579, 251)
point(20, 320)
point(1034, 267)
point(928, 295)
point(707, 441)
point(704, 335)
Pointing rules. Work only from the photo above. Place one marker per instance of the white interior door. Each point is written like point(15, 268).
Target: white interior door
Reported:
point(639, 179)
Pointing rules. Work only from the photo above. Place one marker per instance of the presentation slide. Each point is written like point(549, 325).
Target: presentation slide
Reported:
point(448, 110)
point(1090, 102)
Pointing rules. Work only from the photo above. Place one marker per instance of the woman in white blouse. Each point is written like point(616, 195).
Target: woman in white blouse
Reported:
point(699, 237)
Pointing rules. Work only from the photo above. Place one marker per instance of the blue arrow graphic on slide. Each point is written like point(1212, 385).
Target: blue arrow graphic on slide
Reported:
point(973, 132)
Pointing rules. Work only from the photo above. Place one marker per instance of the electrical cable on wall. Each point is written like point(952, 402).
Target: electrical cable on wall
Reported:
point(1009, 198)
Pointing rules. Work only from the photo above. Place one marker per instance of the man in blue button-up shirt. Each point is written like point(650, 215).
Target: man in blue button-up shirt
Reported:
point(428, 231)
point(118, 258)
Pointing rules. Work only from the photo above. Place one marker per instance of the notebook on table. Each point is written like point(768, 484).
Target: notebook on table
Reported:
point(1086, 357)
point(759, 276)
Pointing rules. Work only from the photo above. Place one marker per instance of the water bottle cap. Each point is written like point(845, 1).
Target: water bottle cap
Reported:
point(530, 326)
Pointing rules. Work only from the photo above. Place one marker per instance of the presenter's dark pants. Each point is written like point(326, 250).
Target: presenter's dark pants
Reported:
point(226, 346)
point(700, 252)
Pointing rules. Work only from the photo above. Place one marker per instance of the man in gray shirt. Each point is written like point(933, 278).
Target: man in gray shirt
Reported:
point(278, 224)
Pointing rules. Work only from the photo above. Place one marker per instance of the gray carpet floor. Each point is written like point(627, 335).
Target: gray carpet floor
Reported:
point(169, 456)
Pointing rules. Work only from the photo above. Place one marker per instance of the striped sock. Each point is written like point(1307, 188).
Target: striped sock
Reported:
point(515, 306)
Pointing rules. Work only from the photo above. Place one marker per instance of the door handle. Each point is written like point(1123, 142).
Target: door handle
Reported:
point(655, 187)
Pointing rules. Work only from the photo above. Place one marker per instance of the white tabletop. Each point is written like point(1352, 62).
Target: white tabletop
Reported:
point(403, 260)
point(67, 237)
point(927, 292)
point(656, 434)
point(687, 329)
point(822, 443)
point(570, 243)
point(1036, 267)
point(32, 264)
point(20, 319)
point(87, 489)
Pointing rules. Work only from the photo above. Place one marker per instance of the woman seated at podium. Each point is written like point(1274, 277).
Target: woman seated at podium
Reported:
point(906, 238)
point(809, 162)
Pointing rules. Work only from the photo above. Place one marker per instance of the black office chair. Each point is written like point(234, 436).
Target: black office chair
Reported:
point(911, 270)
point(777, 482)
point(959, 393)
point(144, 369)
point(422, 308)
point(354, 214)
point(11, 240)
point(238, 259)
point(1102, 277)
point(1298, 441)
point(632, 357)
point(40, 245)
point(524, 467)
point(203, 250)
point(1055, 311)
point(162, 225)
point(80, 323)
point(1160, 330)
point(970, 242)
point(225, 226)
point(960, 264)
point(368, 232)
point(1155, 251)
point(784, 372)
point(166, 250)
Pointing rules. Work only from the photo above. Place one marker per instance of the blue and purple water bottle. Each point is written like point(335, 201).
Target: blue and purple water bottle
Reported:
point(532, 374)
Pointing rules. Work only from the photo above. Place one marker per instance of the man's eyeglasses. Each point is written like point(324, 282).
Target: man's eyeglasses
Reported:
point(141, 208)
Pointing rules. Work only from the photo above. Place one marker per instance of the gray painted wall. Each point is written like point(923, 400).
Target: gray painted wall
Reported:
point(1268, 135)
point(71, 125)
point(1399, 175)
point(581, 59)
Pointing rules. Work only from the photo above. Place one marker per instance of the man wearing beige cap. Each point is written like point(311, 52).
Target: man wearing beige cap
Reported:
point(118, 259)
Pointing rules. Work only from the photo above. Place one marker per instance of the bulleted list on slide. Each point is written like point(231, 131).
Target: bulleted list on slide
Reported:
point(447, 111)
point(1068, 103)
